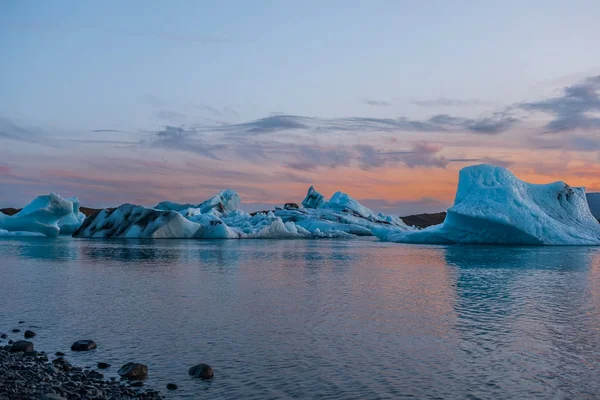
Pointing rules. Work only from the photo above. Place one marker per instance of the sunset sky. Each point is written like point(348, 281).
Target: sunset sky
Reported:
point(142, 101)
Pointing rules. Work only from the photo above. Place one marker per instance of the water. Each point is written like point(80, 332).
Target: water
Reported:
point(317, 319)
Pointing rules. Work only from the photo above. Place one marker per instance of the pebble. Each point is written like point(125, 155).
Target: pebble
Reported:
point(83, 345)
point(29, 334)
point(103, 365)
point(133, 371)
point(34, 378)
point(21, 346)
point(171, 386)
point(202, 371)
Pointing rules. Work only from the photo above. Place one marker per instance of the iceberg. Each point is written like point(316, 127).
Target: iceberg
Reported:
point(341, 213)
point(46, 215)
point(492, 206)
point(220, 218)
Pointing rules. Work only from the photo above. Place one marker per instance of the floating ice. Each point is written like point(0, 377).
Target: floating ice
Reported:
point(72, 221)
point(225, 201)
point(341, 214)
point(220, 218)
point(45, 215)
point(492, 206)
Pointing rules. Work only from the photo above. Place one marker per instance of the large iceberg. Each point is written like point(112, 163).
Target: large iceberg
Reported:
point(221, 218)
point(492, 206)
point(48, 215)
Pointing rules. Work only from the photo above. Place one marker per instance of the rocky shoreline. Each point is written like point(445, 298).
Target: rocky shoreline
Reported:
point(26, 374)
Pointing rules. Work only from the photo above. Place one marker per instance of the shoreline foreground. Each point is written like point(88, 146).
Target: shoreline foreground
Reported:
point(26, 374)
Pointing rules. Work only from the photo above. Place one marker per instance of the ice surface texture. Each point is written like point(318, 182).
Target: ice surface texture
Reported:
point(48, 215)
point(492, 206)
point(220, 218)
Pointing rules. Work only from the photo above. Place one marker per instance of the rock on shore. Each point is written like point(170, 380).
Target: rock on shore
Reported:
point(30, 376)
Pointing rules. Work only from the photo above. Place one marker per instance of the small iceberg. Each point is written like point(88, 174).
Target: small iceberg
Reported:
point(48, 215)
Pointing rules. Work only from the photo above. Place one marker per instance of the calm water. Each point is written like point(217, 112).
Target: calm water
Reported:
point(317, 319)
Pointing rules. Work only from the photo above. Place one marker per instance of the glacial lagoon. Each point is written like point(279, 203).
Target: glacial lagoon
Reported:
point(335, 319)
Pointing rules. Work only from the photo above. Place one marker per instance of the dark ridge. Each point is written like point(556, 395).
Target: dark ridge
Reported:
point(424, 220)
point(252, 214)
point(87, 222)
point(9, 210)
point(89, 211)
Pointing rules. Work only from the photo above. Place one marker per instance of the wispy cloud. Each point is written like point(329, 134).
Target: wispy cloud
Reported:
point(107, 131)
point(181, 139)
point(492, 125)
point(484, 160)
point(450, 102)
point(11, 130)
point(377, 103)
point(170, 116)
point(499, 122)
point(423, 154)
point(573, 109)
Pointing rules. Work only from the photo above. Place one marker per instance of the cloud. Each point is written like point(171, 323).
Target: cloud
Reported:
point(499, 122)
point(495, 124)
point(449, 102)
point(107, 131)
point(231, 111)
point(5, 170)
point(181, 139)
point(572, 109)
point(275, 123)
point(11, 130)
point(424, 154)
point(307, 157)
point(171, 116)
point(484, 160)
point(571, 142)
point(212, 110)
point(377, 103)
point(367, 157)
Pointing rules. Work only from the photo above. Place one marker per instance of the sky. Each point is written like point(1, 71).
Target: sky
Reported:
point(142, 101)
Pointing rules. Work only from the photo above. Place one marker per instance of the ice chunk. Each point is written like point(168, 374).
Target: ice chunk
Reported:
point(341, 214)
point(71, 222)
point(313, 199)
point(42, 215)
point(224, 202)
point(132, 221)
point(492, 206)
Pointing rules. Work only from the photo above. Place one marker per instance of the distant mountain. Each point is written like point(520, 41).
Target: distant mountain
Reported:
point(594, 203)
point(424, 220)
